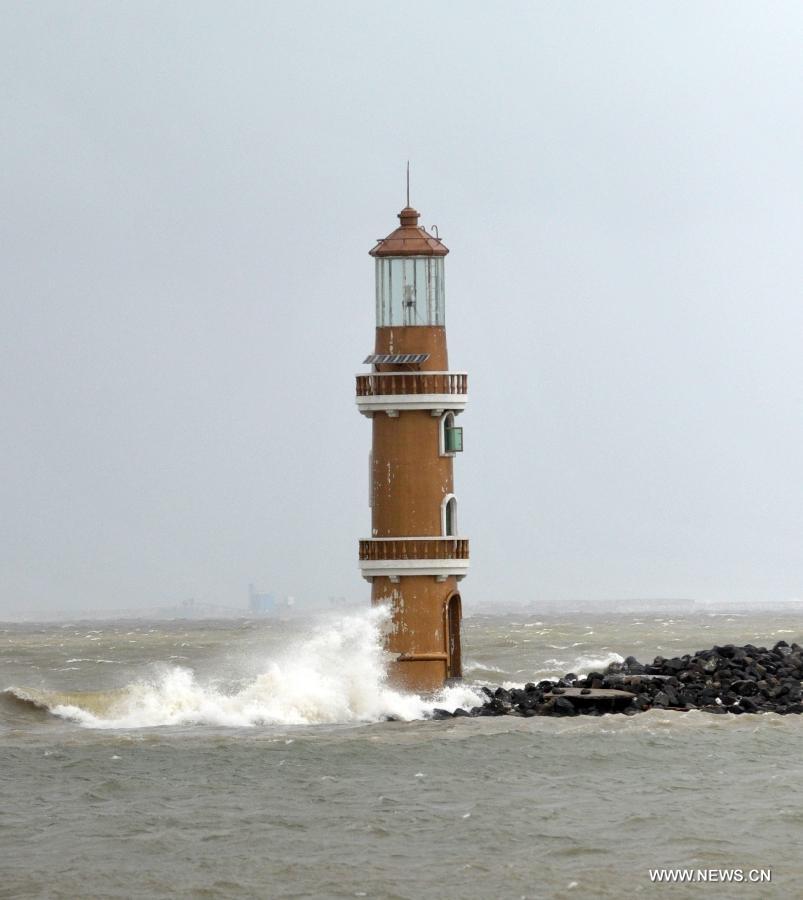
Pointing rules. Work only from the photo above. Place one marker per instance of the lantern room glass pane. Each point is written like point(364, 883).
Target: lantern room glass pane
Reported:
point(410, 291)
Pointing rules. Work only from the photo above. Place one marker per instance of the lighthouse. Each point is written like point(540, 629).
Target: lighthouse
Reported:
point(416, 555)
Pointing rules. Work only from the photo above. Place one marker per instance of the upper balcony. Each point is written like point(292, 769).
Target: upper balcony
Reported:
point(394, 392)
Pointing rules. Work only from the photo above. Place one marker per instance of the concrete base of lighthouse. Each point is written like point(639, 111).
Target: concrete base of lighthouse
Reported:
point(424, 635)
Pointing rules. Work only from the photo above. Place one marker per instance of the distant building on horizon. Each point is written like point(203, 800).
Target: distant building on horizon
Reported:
point(266, 603)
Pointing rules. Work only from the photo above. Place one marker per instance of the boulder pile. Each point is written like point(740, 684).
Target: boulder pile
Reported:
point(721, 680)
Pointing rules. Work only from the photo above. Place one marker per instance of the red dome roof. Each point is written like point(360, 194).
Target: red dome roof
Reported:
point(409, 239)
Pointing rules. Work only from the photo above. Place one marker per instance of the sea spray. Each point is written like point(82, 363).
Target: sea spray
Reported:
point(338, 675)
point(552, 669)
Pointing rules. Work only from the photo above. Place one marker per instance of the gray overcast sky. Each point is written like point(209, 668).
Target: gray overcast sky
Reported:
point(189, 192)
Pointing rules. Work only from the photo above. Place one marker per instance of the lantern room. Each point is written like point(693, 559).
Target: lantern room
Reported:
point(409, 275)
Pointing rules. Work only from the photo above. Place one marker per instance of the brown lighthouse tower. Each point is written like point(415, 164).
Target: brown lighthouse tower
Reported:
point(415, 556)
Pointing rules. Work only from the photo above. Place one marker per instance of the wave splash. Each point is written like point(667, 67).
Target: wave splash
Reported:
point(580, 665)
point(336, 676)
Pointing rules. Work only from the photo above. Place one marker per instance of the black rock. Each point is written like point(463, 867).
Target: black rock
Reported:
point(745, 688)
point(671, 696)
point(721, 680)
point(564, 707)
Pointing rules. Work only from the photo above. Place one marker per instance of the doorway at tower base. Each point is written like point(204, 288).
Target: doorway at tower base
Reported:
point(424, 631)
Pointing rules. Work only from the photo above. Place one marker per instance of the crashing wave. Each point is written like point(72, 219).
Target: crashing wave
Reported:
point(336, 676)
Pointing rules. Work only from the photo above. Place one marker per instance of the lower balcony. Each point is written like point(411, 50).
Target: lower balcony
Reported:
point(396, 557)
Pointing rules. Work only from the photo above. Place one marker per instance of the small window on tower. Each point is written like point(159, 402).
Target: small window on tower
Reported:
point(451, 437)
point(454, 440)
point(449, 516)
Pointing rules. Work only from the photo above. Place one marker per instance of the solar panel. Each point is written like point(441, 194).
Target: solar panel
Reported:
point(395, 359)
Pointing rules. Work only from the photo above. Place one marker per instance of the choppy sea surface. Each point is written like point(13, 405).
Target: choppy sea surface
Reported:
point(260, 758)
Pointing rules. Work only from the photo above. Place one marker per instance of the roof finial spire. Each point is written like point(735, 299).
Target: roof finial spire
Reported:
point(408, 182)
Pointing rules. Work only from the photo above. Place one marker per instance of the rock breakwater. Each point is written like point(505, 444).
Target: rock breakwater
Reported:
point(723, 680)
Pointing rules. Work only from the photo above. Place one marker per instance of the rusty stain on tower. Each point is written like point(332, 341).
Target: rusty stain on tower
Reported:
point(415, 556)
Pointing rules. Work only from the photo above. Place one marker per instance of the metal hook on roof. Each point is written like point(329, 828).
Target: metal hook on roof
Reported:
point(435, 229)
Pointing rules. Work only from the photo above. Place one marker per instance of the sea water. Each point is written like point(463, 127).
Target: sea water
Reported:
point(262, 758)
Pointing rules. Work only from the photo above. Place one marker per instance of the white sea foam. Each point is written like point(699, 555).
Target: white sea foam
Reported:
point(337, 675)
point(552, 668)
point(473, 665)
point(114, 662)
point(595, 663)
